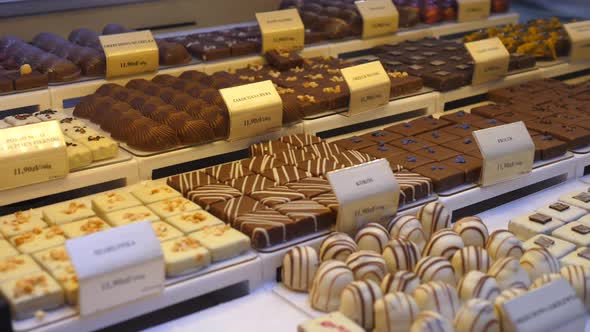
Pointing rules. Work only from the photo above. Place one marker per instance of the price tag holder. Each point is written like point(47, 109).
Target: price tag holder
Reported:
point(117, 266)
point(369, 87)
point(491, 60)
point(380, 17)
point(281, 29)
point(366, 193)
point(254, 109)
point(508, 152)
point(31, 154)
point(130, 53)
point(473, 10)
point(579, 34)
point(554, 307)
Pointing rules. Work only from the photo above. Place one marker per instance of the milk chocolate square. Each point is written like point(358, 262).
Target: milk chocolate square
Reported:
point(581, 229)
point(585, 254)
point(583, 197)
point(544, 242)
point(540, 218)
point(559, 207)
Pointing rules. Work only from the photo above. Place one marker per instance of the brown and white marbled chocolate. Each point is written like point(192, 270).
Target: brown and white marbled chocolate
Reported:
point(207, 195)
point(478, 285)
point(431, 321)
point(269, 147)
point(434, 217)
point(367, 265)
point(186, 182)
point(395, 312)
point(469, 259)
point(372, 237)
point(301, 140)
point(311, 186)
point(443, 243)
point(250, 183)
point(285, 174)
point(472, 230)
point(228, 171)
point(259, 164)
point(276, 195)
point(509, 274)
point(337, 246)
point(299, 267)
point(447, 300)
point(435, 269)
point(539, 261)
point(356, 302)
point(503, 243)
point(400, 281)
point(476, 315)
point(328, 283)
point(579, 279)
point(401, 255)
point(408, 228)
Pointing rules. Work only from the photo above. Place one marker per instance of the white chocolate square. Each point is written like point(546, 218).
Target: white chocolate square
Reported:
point(524, 228)
point(152, 192)
point(165, 232)
point(101, 147)
point(184, 255)
point(39, 239)
point(569, 199)
point(84, 227)
point(566, 233)
point(50, 115)
point(69, 124)
point(17, 266)
point(21, 222)
point(110, 201)
point(173, 206)
point(54, 259)
point(7, 250)
point(131, 215)
point(573, 258)
point(69, 211)
point(222, 241)
point(558, 249)
point(31, 293)
point(77, 131)
point(571, 214)
point(194, 221)
point(328, 322)
point(68, 281)
point(21, 119)
point(78, 155)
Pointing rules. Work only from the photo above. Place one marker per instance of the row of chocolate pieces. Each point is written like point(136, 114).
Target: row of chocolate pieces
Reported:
point(442, 64)
point(387, 276)
point(552, 111)
point(544, 39)
point(280, 193)
point(37, 274)
point(83, 145)
point(19, 78)
point(562, 227)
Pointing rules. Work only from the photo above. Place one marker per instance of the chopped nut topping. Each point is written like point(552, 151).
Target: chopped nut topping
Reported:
point(307, 98)
point(73, 207)
point(136, 216)
point(274, 73)
point(337, 79)
point(194, 218)
point(333, 71)
point(114, 197)
point(26, 286)
point(398, 74)
point(291, 78)
point(216, 230)
point(92, 226)
point(161, 189)
point(310, 85)
point(176, 204)
point(283, 91)
point(297, 69)
point(335, 89)
point(314, 77)
point(161, 231)
point(185, 244)
point(59, 254)
point(10, 264)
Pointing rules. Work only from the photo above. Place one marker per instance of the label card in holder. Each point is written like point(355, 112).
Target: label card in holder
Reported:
point(473, 10)
point(117, 266)
point(254, 109)
point(369, 86)
point(508, 152)
point(130, 53)
point(579, 34)
point(491, 60)
point(380, 17)
point(281, 29)
point(31, 154)
point(554, 307)
point(365, 193)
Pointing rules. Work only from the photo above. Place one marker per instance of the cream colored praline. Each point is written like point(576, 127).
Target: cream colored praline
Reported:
point(401, 281)
point(434, 216)
point(579, 279)
point(372, 237)
point(545, 280)
point(395, 312)
point(505, 296)
point(408, 228)
point(299, 267)
point(367, 265)
point(328, 283)
point(509, 274)
point(447, 303)
point(356, 302)
point(443, 243)
point(401, 255)
point(472, 230)
point(478, 285)
point(503, 243)
point(476, 315)
point(430, 321)
point(337, 246)
point(470, 258)
point(435, 269)
point(539, 261)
